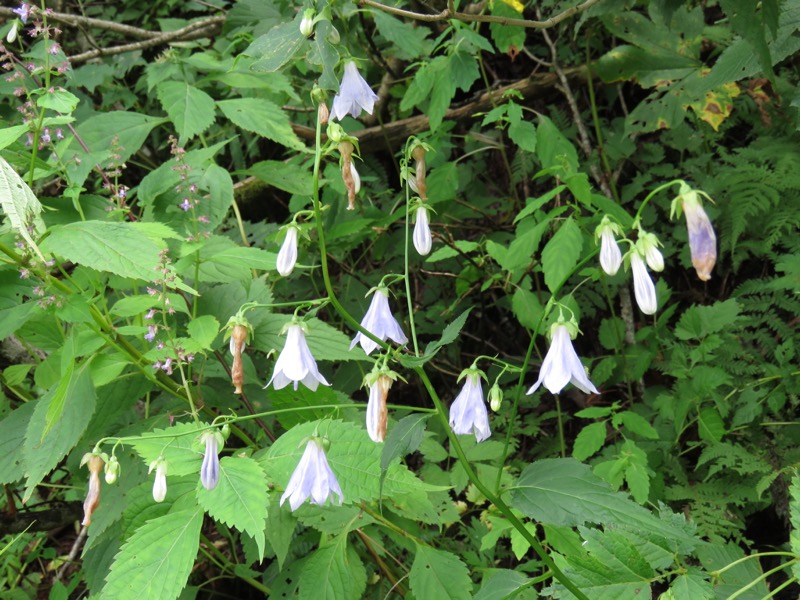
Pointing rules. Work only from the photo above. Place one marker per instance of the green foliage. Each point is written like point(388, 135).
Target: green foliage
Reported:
point(148, 279)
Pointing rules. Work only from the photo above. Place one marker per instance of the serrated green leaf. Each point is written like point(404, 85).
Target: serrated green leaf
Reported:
point(118, 248)
point(507, 39)
point(175, 444)
point(190, 109)
point(710, 425)
point(203, 330)
point(562, 491)
point(333, 572)
point(221, 260)
point(288, 177)
point(407, 41)
point(20, 205)
point(276, 47)
point(12, 438)
point(404, 438)
point(58, 100)
point(637, 424)
point(589, 440)
point(502, 584)
point(560, 255)
point(9, 135)
point(43, 452)
point(280, 527)
point(240, 498)
point(262, 117)
point(693, 585)
point(156, 561)
point(526, 307)
point(449, 334)
point(439, 574)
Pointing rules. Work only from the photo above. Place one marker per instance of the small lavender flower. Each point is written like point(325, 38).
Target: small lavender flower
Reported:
point(561, 365)
point(468, 412)
point(422, 231)
point(354, 94)
point(185, 205)
point(151, 333)
point(209, 472)
point(160, 481)
point(23, 11)
point(380, 322)
point(312, 478)
point(287, 255)
point(643, 287)
point(296, 363)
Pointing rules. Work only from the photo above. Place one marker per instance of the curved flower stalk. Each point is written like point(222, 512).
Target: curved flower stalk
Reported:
point(610, 255)
point(380, 322)
point(561, 365)
point(296, 363)
point(312, 478)
point(160, 481)
point(648, 245)
point(287, 255)
point(422, 231)
point(702, 239)
point(354, 94)
point(209, 471)
point(643, 287)
point(92, 501)
point(468, 412)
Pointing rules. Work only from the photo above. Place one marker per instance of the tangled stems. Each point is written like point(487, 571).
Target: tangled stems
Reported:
point(440, 409)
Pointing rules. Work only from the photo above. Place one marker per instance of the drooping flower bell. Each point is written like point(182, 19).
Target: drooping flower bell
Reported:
point(702, 239)
point(209, 471)
point(160, 481)
point(468, 412)
point(422, 231)
point(644, 290)
point(287, 255)
point(610, 255)
point(92, 501)
point(354, 94)
point(295, 362)
point(380, 322)
point(561, 365)
point(312, 478)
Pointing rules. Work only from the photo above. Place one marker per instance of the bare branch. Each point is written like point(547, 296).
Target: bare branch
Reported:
point(448, 14)
point(79, 21)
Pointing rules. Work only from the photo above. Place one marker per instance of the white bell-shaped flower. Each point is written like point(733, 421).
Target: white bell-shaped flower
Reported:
point(312, 478)
point(354, 94)
point(287, 255)
point(422, 231)
point(380, 322)
point(644, 290)
point(468, 412)
point(296, 363)
point(561, 365)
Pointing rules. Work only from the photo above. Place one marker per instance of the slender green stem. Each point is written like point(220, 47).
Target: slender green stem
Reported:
point(561, 443)
point(650, 196)
point(746, 558)
point(761, 578)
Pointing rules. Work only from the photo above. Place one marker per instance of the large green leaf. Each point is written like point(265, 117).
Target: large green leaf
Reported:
point(288, 177)
point(175, 445)
point(562, 491)
point(262, 117)
point(439, 574)
point(44, 449)
point(190, 109)
point(119, 248)
point(504, 584)
point(156, 561)
point(20, 205)
point(561, 254)
point(276, 47)
point(240, 498)
point(333, 572)
point(12, 438)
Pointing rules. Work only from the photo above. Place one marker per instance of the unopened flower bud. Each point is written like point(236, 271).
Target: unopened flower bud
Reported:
point(112, 470)
point(11, 36)
point(307, 23)
point(323, 114)
point(226, 431)
point(648, 244)
point(495, 397)
point(422, 231)
point(287, 256)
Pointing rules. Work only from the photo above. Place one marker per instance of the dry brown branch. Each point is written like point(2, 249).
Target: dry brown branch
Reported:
point(448, 14)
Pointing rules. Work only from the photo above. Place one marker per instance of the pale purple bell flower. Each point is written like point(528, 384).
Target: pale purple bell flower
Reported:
point(380, 322)
point(468, 412)
point(296, 363)
point(561, 365)
point(354, 94)
point(312, 478)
